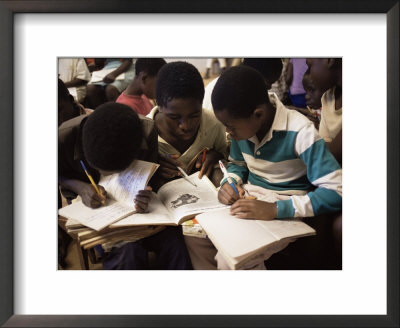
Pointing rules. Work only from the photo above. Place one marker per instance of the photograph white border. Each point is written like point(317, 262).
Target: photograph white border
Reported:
point(360, 288)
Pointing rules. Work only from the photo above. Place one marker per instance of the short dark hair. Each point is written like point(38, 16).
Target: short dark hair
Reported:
point(111, 137)
point(240, 90)
point(149, 65)
point(270, 68)
point(178, 80)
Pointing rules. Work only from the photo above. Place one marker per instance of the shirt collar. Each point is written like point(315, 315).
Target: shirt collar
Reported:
point(279, 123)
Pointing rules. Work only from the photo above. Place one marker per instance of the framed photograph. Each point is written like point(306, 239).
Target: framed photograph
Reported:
point(35, 33)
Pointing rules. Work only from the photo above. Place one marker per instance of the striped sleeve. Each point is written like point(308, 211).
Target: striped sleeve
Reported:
point(237, 168)
point(323, 171)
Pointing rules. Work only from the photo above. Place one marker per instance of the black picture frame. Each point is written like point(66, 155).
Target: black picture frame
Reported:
point(9, 8)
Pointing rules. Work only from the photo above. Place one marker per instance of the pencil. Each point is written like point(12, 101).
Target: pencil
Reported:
point(185, 176)
point(91, 180)
point(203, 158)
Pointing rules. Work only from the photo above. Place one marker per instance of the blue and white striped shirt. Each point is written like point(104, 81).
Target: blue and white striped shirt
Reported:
point(291, 157)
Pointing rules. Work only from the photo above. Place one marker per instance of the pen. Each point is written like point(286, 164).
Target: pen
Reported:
point(230, 181)
point(91, 179)
point(185, 176)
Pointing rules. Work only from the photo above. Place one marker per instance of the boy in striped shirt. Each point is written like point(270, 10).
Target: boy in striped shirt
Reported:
point(273, 148)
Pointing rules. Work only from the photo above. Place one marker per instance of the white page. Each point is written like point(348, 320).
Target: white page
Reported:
point(232, 236)
point(287, 228)
point(97, 218)
point(157, 215)
point(73, 92)
point(181, 198)
point(98, 76)
point(124, 186)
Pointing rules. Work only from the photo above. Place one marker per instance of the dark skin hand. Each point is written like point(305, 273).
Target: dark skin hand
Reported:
point(142, 200)
point(110, 77)
point(87, 192)
point(206, 168)
point(227, 196)
point(246, 208)
point(75, 83)
point(254, 209)
point(90, 197)
point(168, 166)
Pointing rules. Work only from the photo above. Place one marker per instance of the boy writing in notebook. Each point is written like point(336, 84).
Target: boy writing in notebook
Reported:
point(107, 141)
point(185, 130)
point(274, 150)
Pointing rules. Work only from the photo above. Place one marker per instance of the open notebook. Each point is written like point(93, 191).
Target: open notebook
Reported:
point(243, 240)
point(176, 202)
point(121, 190)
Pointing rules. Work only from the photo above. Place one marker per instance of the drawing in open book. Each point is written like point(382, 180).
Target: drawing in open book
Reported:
point(175, 202)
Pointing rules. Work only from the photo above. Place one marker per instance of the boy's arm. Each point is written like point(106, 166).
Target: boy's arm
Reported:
point(237, 167)
point(323, 171)
point(125, 65)
point(85, 190)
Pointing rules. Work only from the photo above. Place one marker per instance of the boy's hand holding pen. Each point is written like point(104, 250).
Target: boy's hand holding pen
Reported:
point(229, 192)
point(206, 161)
point(95, 195)
point(169, 166)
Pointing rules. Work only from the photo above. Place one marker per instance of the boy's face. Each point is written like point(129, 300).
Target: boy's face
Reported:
point(239, 128)
point(149, 86)
point(320, 73)
point(182, 117)
point(313, 95)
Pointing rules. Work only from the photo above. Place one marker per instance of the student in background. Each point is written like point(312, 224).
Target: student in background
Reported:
point(107, 141)
point(67, 107)
point(327, 75)
point(313, 101)
point(294, 76)
point(185, 130)
point(75, 74)
point(142, 87)
point(222, 66)
point(110, 88)
point(313, 94)
point(279, 87)
point(270, 68)
point(274, 149)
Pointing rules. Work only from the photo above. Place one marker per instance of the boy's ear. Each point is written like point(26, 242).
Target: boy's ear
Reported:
point(143, 76)
point(259, 113)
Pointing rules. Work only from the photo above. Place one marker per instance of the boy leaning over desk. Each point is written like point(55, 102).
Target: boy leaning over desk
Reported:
point(107, 141)
point(274, 150)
